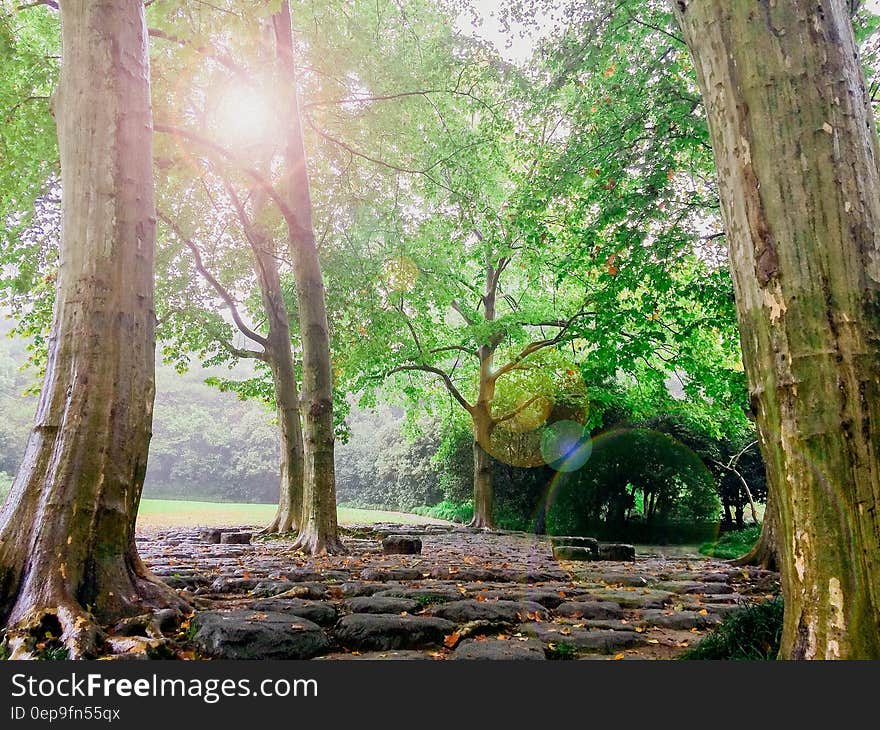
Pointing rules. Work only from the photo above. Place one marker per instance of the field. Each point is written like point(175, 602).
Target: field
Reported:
point(156, 513)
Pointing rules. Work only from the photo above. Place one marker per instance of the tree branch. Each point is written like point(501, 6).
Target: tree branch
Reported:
point(458, 308)
point(534, 347)
point(212, 280)
point(447, 381)
point(255, 175)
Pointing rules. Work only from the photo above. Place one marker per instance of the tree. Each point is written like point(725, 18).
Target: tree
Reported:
point(275, 348)
point(499, 291)
point(318, 531)
point(68, 557)
point(796, 153)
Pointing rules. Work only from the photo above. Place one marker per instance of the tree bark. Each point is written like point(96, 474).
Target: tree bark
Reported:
point(280, 358)
point(68, 559)
point(796, 153)
point(765, 552)
point(484, 494)
point(484, 424)
point(318, 532)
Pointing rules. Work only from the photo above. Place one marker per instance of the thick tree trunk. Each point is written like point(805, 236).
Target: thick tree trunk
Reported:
point(318, 531)
point(796, 154)
point(484, 494)
point(67, 551)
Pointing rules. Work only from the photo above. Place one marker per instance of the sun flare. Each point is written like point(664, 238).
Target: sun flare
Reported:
point(243, 117)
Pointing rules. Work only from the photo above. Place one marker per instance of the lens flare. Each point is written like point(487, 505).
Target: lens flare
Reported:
point(401, 274)
point(243, 117)
point(566, 445)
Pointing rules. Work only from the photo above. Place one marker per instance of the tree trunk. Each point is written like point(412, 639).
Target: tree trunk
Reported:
point(67, 551)
point(280, 356)
point(796, 154)
point(318, 531)
point(765, 551)
point(484, 494)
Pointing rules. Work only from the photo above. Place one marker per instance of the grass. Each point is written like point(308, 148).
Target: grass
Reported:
point(732, 544)
point(157, 513)
point(750, 633)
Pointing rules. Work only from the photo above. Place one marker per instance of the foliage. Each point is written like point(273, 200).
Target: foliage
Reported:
point(460, 512)
point(732, 544)
point(752, 632)
point(381, 467)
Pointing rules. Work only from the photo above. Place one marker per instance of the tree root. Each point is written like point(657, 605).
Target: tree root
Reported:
point(52, 624)
point(481, 524)
point(313, 543)
point(65, 632)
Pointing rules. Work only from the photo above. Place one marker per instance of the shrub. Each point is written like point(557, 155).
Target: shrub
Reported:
point(732, 544)
point(453, 511)
point(752, 632)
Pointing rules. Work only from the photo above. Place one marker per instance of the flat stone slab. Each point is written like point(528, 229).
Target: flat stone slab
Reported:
point(603, 641)
point(390, 574)
point(319, 612)
point(547, 598)
point(621, 579)
point(590, 609)
point(394, 655)
point(636, 598)
point(401, 545)
point(574, 552)
point(684, 620)
point(576, 540)
point(493, 611)
point(617, 551)
point(690, 586)
point(380, 632)
point(382, 604)
point(426, 595)
point(236, 538)
point(210, 536)
point(233, 585)
point(242, 634)
point(500, 649)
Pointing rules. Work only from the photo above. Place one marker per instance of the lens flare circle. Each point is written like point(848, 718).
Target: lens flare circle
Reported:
point(566, 445)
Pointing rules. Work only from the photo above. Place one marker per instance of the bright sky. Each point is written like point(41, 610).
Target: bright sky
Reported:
point(516, 44)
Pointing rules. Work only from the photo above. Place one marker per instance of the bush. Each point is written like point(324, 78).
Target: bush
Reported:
point(732, 544)
point(453, 511)
point(637, 481)
point(752, 632)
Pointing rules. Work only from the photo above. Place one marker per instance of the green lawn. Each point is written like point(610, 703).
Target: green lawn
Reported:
point(178, 513)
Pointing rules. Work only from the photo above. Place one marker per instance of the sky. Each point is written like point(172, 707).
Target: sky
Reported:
point(512, 45)
point(515, 44)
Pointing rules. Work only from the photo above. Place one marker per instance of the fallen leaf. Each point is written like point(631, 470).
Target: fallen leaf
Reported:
point(451, 640)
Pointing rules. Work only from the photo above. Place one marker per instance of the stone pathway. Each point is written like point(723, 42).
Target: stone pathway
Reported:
point(468, 595)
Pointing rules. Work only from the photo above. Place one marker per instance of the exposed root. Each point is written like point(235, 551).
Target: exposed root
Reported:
point(481, 523)
point(760, 556)
point(312, 542)
point(150, 625)
point(65, 632)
